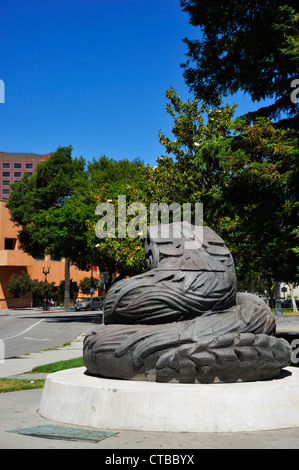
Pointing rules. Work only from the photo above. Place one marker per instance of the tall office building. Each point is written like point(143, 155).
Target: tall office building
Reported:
point(14, 165)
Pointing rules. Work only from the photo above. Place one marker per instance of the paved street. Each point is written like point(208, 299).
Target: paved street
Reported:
point(28, 331)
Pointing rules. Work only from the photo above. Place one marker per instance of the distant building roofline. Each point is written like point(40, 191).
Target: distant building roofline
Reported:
point(22, 156)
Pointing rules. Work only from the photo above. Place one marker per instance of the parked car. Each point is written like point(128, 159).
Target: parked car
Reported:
point(90, 303)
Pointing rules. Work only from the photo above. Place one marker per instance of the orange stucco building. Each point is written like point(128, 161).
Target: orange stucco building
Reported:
point(14, 260)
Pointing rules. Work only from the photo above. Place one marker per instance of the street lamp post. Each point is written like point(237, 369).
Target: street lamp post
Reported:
point(104, 279)
point(46, 272)
point(278, 307)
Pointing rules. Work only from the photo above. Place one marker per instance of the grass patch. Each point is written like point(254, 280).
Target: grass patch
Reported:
point(14, 385)
point(61, 365)
point(288, 311)
point(285, 311)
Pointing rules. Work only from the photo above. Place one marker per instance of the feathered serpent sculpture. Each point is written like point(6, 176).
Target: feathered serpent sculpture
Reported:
point(183, 320)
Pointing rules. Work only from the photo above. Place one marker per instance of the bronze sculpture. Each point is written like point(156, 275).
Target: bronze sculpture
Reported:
point(183, 320)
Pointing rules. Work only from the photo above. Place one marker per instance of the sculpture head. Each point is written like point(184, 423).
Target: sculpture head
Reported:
point(183, 246)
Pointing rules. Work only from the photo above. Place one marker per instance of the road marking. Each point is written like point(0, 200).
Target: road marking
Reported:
point(22, 332)
point(36, 339)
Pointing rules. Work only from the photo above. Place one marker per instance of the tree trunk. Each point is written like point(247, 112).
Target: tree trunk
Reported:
point(271, 302)
point(278, 307)
point(291, 286)
point(67, 284)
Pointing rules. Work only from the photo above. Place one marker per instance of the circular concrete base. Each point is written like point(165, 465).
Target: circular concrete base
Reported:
point(72, 397)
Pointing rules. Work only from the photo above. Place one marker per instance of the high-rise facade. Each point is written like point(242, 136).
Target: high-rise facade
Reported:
point(13, 166)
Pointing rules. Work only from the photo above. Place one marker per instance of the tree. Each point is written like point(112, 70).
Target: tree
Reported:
point(74, 289)
point(114, 175)
point(262, 192)
point(55, 209)
point(43, 290)
point(245, 175)
point(107, 180)
point(20, 285)
point(201, 135)
point(293, 300)
point(37, 206)
point(88, 283)
point(252, 46)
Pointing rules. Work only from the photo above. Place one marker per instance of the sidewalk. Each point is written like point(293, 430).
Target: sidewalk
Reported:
point(20, 410)
point(21, 364)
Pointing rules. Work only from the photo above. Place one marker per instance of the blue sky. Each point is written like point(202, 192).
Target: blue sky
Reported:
point(91, 74)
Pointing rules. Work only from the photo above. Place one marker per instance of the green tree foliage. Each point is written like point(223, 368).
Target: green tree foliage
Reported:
point(124, 255)
point(107, 180)
point(251, 46)
point(201, 135)
point(114, 176)
point(245, 175)
point(19, 284)
point(87, 283)
point(50, 186)
point(43, 290)
point(74, 289)
point(55, 210)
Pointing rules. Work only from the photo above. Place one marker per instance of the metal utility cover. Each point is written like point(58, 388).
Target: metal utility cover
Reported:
point(65, 433)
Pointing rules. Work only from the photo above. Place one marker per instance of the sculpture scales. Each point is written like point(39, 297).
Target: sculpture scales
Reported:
point(183, 320)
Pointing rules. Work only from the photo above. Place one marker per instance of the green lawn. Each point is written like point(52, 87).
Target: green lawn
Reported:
point(61, 365)
point(13, 385)
point(285, 311)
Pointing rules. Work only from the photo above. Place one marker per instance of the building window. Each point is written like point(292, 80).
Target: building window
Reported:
point(5, 166)
point(6, 182)
point(29, 173)
point(17, 165)
point(5, 174)
point(6, 191)
point(10, 243)
point(29, 166)
point(17, 174)
point(16, 181)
